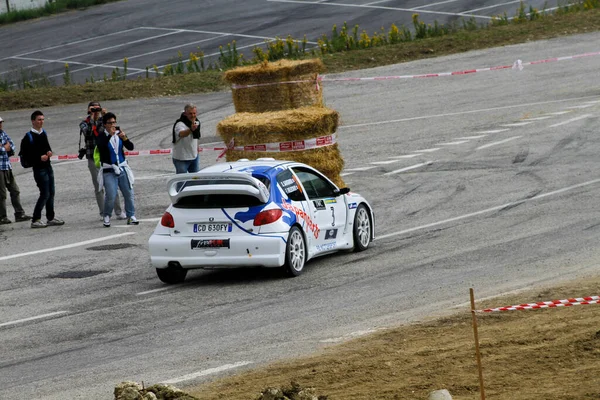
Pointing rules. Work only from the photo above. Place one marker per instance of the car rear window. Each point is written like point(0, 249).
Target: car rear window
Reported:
point(218, 201)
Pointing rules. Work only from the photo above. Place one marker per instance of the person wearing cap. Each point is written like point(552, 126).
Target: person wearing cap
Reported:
point(7, 180)
point(89, 129)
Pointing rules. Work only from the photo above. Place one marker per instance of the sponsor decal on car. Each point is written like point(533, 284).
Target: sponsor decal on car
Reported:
point(300, 214)
point(352, 205)
point(330, 234)
point(330, 201)
point(326, 246)
point(319, 204)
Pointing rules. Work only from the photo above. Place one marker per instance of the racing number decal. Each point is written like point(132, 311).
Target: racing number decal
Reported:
point(333, 216)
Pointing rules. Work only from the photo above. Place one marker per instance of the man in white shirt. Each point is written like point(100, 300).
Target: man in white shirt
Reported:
point(186, 132)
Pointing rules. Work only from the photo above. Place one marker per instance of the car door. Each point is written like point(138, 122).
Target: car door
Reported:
point(327, 209)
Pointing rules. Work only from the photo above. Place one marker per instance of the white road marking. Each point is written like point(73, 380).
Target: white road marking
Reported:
point(452, 143)
point(149, 177)
point(155, 290)
point(429, 150)
point(471, 137)
point(382, 8)
point(559, 113)
point(206, 372)
point(19, 321)
point(434, 4)
point(393, 121)
point(494, 131)
point(67, 246)
point(349, 336)
point(492, 6)
point(346, 173)
point(538, 118)
point(491, 209)
point(359, 169)
point(485, 146)
point(582, 106)
point(385, 162)
point(409, 168)
point(517, 124)
point(408, 156)
point(150, 219)
point(571, 120)
point(593, 102)
point(56, 163)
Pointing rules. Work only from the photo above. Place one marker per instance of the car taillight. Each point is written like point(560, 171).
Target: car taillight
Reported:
point(267, 217)
point(167, 220)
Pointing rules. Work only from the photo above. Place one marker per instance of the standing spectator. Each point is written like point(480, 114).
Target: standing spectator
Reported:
point(115, 172)
point(89, 128)
point(186, 132)
point(36, 150)
point(7, 180)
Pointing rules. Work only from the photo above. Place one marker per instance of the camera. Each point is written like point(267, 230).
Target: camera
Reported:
point(96, 109)
point(196, 130)
point(81, 154)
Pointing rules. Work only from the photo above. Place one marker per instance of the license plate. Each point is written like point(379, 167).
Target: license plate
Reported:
point(212, 227)
point(209, 243)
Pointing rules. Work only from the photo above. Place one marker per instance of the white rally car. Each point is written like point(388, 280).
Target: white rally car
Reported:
point(265, 213)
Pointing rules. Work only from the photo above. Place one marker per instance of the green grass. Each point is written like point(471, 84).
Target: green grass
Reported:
point(382, 48)
point(55, 7)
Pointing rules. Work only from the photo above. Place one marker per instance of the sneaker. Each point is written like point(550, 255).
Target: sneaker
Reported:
point(55, 222)
point(38, 224)
point(4, 221)
point(122, 216)
point(22, 217)
point(132, 221)
point(107, 221)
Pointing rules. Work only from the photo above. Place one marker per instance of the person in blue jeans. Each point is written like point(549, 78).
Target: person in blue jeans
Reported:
point(186, 132)
point(115, 172)
point(36, 149)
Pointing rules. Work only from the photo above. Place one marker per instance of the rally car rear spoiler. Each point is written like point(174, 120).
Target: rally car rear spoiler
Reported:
point(184, 185)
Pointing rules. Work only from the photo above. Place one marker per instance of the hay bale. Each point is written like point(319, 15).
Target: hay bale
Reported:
point(327, 160)
point(274, 93)
point(278, 126)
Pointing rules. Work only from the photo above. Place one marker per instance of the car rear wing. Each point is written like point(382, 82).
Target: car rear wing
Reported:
point(184, 185)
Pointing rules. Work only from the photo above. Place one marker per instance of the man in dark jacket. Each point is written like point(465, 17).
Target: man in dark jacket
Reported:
point(36, 149)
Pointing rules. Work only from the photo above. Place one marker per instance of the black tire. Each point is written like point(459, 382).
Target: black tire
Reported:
point(362, 229)
point(295, 253)
point(171, 275)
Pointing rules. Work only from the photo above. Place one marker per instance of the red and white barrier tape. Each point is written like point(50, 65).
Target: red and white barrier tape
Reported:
point(547, 304)
point(517, 65)
point(292, 145)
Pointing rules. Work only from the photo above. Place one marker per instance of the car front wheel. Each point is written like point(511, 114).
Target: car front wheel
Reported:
point(295, 252)
point(171, 275)
point(362, 228)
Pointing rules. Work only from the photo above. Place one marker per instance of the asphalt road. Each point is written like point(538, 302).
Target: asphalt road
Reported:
point(506, 202)
point(95, 41)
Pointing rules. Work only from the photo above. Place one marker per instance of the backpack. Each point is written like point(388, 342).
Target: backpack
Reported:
point(24, 162)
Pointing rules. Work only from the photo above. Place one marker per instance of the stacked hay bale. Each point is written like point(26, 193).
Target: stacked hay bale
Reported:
point(282, 102)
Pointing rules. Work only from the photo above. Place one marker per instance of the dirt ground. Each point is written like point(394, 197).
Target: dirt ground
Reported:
point(542, 354)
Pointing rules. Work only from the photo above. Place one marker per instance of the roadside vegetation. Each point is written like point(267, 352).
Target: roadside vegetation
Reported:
point(344, 48)
point(550, 354)
point(50, 8)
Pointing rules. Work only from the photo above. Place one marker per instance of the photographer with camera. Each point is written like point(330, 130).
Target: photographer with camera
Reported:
point(90, 128)
point(7, 180)
point(186, 132)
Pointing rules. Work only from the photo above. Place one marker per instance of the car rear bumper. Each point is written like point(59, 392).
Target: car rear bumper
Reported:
point(247, 251)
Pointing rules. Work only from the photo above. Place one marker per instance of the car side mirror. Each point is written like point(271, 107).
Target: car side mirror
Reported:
point(339, 192)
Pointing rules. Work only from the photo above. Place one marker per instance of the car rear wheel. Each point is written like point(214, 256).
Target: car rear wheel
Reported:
point(362, 228)
point(171, 275)
point(295, 252)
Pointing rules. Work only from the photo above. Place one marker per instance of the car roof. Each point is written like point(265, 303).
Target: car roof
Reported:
point(269, 167)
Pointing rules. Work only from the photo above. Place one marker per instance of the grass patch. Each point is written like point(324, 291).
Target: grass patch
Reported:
point(54, 7)
point(344, 49)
